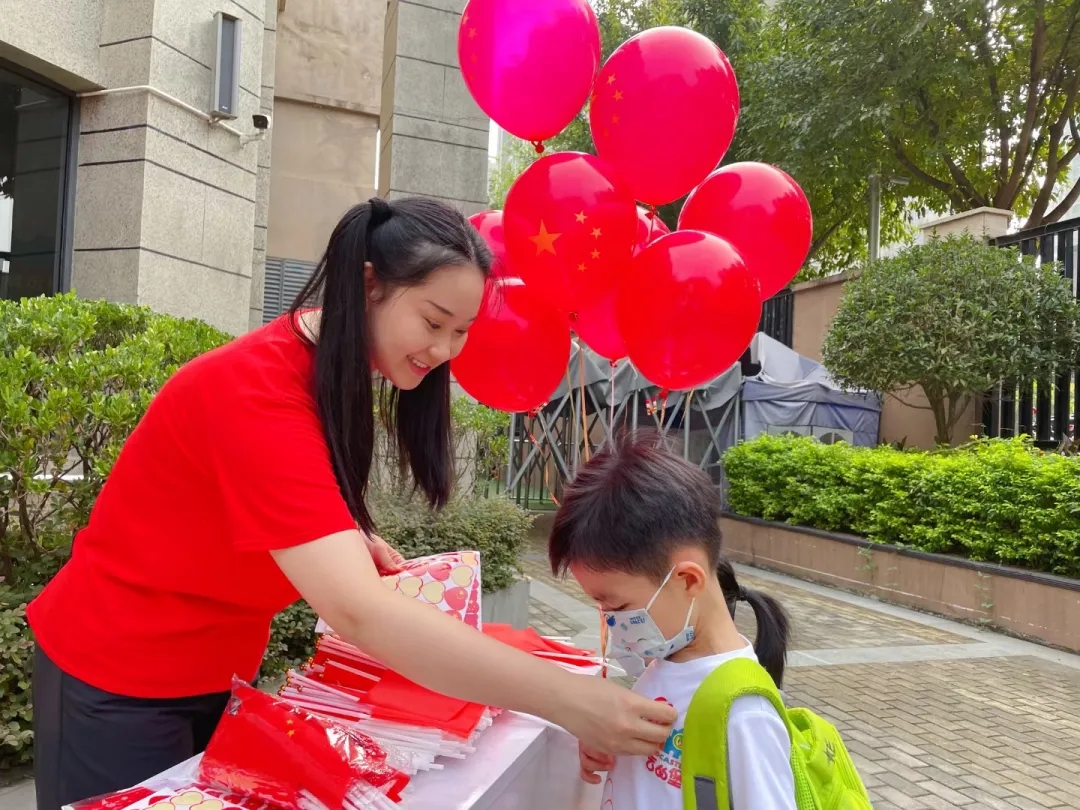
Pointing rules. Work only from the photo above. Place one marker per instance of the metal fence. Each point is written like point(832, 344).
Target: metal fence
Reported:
point(1044, 409)
point(778, 317)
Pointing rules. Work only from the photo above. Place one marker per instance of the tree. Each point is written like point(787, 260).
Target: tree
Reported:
point(973, 101)
point(955, 317)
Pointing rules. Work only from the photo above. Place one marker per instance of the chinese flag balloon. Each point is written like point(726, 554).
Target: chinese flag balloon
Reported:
point(762, 212)
point(529, 65)
point(570, 226)
point(595, 324)
point(489, 224)
point(517, 350)
point(663, 112)
point(687, 309)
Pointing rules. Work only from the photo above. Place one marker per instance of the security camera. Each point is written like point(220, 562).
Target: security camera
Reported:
point(262, 122)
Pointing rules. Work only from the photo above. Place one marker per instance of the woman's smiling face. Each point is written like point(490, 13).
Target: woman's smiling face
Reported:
point(414, 329)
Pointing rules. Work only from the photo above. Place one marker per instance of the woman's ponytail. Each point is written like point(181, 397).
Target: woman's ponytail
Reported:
point(393, 245)
point(773, 624)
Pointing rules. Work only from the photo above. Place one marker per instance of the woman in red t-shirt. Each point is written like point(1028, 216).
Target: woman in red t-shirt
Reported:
point(242, 490)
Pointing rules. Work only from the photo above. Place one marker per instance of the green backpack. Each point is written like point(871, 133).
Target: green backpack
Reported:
point(825, 776)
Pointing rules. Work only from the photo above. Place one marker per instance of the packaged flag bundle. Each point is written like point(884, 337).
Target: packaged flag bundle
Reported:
point(449, 582)
point(267, 749)
point(177, 789)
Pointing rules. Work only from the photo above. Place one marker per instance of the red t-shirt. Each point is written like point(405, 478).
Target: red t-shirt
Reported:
point(171, 587)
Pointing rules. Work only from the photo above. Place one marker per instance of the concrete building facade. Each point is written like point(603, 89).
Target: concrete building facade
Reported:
point(117, 183)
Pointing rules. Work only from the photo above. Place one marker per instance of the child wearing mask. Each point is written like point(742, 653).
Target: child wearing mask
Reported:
point(638, 529)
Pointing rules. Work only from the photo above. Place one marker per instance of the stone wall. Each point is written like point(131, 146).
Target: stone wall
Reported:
point(166, 204)
point(328, 95)
point(434, 137)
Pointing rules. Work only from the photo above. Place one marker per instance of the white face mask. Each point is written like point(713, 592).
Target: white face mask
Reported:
point(633, 635)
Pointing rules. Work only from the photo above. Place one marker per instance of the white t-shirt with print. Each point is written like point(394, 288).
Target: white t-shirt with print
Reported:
point(759, 746)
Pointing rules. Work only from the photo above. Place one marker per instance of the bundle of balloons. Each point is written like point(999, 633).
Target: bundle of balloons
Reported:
point(574, 251)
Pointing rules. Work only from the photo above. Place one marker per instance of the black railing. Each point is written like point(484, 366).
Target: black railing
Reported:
point(1044, 409)
point(778, 317)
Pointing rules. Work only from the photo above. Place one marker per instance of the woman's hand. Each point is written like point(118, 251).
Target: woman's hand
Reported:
point(610, 720)
point(386, 558)
point(340, 582)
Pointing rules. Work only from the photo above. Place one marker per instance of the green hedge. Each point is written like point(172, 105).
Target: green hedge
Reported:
point(76, 377)
point(495, 527)
point(993, 500)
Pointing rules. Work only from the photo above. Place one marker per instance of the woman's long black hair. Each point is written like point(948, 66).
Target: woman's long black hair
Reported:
point(404, 241)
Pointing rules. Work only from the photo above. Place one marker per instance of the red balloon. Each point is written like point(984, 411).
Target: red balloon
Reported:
point(663, 111)
point(529, 65)
point(517, 351)
point(650, 228)
point(596, 326)
point(687, 309)
point(762, 212)
point(489, 224)
point(570, 226)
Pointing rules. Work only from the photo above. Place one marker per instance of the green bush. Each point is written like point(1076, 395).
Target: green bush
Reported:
point(75, 378)
point(992, 500)
point(16, 668)
point(495, 527)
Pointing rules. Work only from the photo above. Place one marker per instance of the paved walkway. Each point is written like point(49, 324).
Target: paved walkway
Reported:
point(937, 714)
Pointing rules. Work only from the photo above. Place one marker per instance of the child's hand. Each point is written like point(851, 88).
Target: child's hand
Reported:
point(592, 762)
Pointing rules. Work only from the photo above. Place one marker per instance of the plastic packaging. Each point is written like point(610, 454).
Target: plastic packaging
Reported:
point(450, 582)
point(268, 749)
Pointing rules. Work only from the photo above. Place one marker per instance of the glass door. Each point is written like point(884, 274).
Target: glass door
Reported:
point(35, 123)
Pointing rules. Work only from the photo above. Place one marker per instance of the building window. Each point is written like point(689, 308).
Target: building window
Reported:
point(285, 278)
point(35, 157)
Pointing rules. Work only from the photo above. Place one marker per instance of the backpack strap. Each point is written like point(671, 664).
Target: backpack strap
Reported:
point(704, 750)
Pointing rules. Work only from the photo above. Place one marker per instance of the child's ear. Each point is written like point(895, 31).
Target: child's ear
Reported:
point(692, 577)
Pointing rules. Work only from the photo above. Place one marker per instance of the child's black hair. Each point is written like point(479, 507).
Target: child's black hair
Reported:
point(633, 506)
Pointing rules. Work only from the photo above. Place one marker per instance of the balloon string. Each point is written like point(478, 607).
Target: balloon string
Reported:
point(611, 406)
point(543, 461)
point(663, 408)
point(581, 392)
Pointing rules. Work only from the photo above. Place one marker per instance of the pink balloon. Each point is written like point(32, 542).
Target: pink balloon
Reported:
point(529, 65)
point(650, 228)
point(489, 224)
point(762, 212)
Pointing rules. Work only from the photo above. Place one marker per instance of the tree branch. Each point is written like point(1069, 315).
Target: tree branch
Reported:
point(982, 48)
point(1031, 112)
point(909, 404)
point(918, 173)
point(1053, 164)
point(1062, 208)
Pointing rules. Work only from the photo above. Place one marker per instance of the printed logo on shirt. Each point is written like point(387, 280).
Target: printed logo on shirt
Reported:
point(666, 764)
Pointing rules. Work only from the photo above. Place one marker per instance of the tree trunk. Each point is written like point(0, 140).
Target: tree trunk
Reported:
point(942, 428)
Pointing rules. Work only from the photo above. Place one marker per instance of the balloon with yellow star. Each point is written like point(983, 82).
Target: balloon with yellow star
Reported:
point(570, 225)
point(529, 64)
